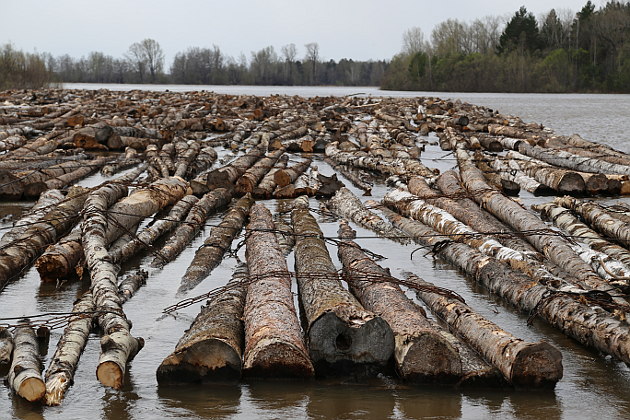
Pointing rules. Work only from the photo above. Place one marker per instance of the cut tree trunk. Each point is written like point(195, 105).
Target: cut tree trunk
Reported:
point(561, 180)
point(422, 353)
point(341, 333)
point(495, 179)
point(29, 244)
point(352, 177)
point(35, 189)
point(150, 234)
point(289, 175)
point(248, 181)
point(274, 345)
point(552, 246)
point(522, 363)
point(195, 220)
point(346, 204)
point(60, 373)
point(186, 158)
point(6, 347)
point(568, 311)
point(510, 169)
point(212, 348)
point(25, 373)
point(210, 254)
point(61, 260)
point(267, 185)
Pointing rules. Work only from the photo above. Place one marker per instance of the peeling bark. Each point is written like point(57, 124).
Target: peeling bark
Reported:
point(274, 345)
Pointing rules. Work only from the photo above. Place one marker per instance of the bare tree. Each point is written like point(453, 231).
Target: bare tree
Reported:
point(413, 41)
point(146, 55)
point(289, 53)
point(312, 57)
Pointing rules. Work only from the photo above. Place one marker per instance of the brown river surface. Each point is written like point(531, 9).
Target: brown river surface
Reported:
point(592, 386)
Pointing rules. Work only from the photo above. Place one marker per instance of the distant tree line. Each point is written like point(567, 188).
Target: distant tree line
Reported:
point(561, 52)
point(22, 70)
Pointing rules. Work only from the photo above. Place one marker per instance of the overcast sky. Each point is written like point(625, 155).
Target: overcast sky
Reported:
point(358, 29)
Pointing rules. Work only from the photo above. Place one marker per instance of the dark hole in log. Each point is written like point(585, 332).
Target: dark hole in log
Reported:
point(343, 342)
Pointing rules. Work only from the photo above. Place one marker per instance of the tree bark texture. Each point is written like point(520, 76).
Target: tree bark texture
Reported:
point(60, 373)
point(274, 345)
point(267, 184)
point(250, 179)
point(345, 204)
point(6, 347)
point(196, 218)
point(25, 373)
point(210, 254)
point(340, 331)
point(561, 180)
point(290, 174)
point(421, 352)
point(212, 348)
point(351, 176)
point(522, 363)
point(587, 323)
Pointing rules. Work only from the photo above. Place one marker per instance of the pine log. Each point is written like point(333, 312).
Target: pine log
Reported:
point(195, 220)
point(347, 205)
point(565, 220)
point(60, 373)
point(561, 180)
point(341, 333)
point(274, 345)
point(267, 185)
point(598, 218)
point(150, 234)
point(210, 254)
point(6, 347)
point(30, 243)
point(25, 373)
point(522, 363)
point(289, 175)
point(587, 323)
point(212, 348)
point(512, 214)
point(248, 181)
point(422, 353)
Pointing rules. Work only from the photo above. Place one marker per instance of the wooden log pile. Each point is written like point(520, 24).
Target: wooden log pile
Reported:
point(180, 157)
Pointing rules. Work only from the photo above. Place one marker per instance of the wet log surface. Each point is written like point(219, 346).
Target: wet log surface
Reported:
point(182, 134)
point(212, 348)
point(25, 373)
point(274, 344)
point(341, 333)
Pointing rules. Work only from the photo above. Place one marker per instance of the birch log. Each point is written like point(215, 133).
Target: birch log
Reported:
point(25, 373)
point(341, 333)
point(351, 176)
point(197, 216)
point(274, 345)
point(226, 176)
point(268, 184)
point(248, 181)
point(210, 254)
point(212, 348)
point(561, 180)
point(512, 214)
point(421, 352)
point(589, 324)
point(522, 363)
point(6, 347)
point(60, 373)
point(289, 175)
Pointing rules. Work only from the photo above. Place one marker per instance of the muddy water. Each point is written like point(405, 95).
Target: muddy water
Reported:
point(593, 385)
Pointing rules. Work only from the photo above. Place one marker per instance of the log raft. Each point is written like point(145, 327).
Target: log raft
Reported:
point(25, 373)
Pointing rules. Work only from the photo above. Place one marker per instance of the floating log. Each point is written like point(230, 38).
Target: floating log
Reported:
point(561, 180)
point(565, 220)
point(512, 214)
point(522, 363)
point(212, 348)
point(495, 179)
point(598, 218)
point(587, 323)
point(30, 243)
point(274, 345)
point(25, 373)
point(346, 204)
point(61, 259)
point(185, 159)
point(422, 353)
point(195, 219)
point(356, 180)
point(267, 185)
point(6, 347)
point(151, 233)
point(210, 254)
point(248, 181)
point(34, 189)
point(131, 283)
point(127, 160)
point(341, 333)
point(509, 169)
point(60, 373)
point(290, 174)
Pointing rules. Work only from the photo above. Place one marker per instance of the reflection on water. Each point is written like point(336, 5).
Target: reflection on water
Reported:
point(590, 384)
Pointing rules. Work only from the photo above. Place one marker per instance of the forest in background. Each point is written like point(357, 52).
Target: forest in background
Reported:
point(561, 51)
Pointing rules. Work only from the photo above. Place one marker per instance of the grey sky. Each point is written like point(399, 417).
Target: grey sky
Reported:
point(358, 29)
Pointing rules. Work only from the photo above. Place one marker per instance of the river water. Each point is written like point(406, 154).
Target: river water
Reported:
point(593, 385)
